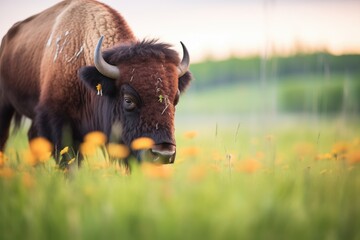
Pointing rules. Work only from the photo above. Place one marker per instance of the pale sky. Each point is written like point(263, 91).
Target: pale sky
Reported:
point(222, 28)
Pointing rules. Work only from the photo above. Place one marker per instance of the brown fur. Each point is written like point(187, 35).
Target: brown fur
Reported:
point(39, 62)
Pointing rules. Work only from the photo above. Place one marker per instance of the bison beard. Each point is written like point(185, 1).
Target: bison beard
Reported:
point(47, 74)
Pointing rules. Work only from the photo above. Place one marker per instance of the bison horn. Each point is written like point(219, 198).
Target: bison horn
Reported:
point(102, 66)
point(185, 62)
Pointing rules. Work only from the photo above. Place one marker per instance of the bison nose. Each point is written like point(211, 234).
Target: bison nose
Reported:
point(163, 153)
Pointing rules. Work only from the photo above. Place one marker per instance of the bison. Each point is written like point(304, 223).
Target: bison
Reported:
point(53, 71)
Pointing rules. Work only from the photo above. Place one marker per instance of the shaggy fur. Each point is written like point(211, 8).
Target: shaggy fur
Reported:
point(46, 74)
point(148, 69)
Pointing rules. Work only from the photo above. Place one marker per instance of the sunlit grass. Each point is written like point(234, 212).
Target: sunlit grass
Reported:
point(227, 183)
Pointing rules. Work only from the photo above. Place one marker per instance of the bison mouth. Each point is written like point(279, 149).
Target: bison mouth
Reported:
point(163, 153)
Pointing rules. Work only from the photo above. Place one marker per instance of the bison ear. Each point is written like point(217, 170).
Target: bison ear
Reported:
point(92, 77)
point(184, 81)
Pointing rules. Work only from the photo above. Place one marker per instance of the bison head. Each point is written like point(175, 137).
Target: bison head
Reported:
point(143, 81)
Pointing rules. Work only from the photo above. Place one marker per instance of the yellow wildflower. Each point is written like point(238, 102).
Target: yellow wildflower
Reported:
point(64, 150)
point(118, 150)
point(71, 161)
point(96, 138)
point(41, 148)
point(142, 143)
point(325, 156)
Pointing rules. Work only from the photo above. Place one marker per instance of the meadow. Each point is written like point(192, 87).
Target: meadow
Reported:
point(231, 181)
point(246, 168)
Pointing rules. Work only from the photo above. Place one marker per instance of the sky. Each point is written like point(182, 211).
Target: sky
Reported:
point(219, 29)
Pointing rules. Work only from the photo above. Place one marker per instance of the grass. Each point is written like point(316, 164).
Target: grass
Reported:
point(282, 182)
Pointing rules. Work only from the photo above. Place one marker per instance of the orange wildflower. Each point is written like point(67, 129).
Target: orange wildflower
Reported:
point(215, 168)
point(353, 156)
point(304, 149)
point(88, 148)
point(41, 149)
point(118, 150)
point(197, 173)
point(6, 173)
point(216, 156)
point(142, 143)
point(156, 171)
point(190, 134)
point(96, 138)
point(29, 158)
point(248, 166)
point(340, 148)
point(260, 155)
point(2, 159)
point(191, 151)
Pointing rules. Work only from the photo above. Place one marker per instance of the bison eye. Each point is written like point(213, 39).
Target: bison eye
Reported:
point(129, 102)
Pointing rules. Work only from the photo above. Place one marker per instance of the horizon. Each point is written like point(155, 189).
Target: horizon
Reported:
point(219, 30)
